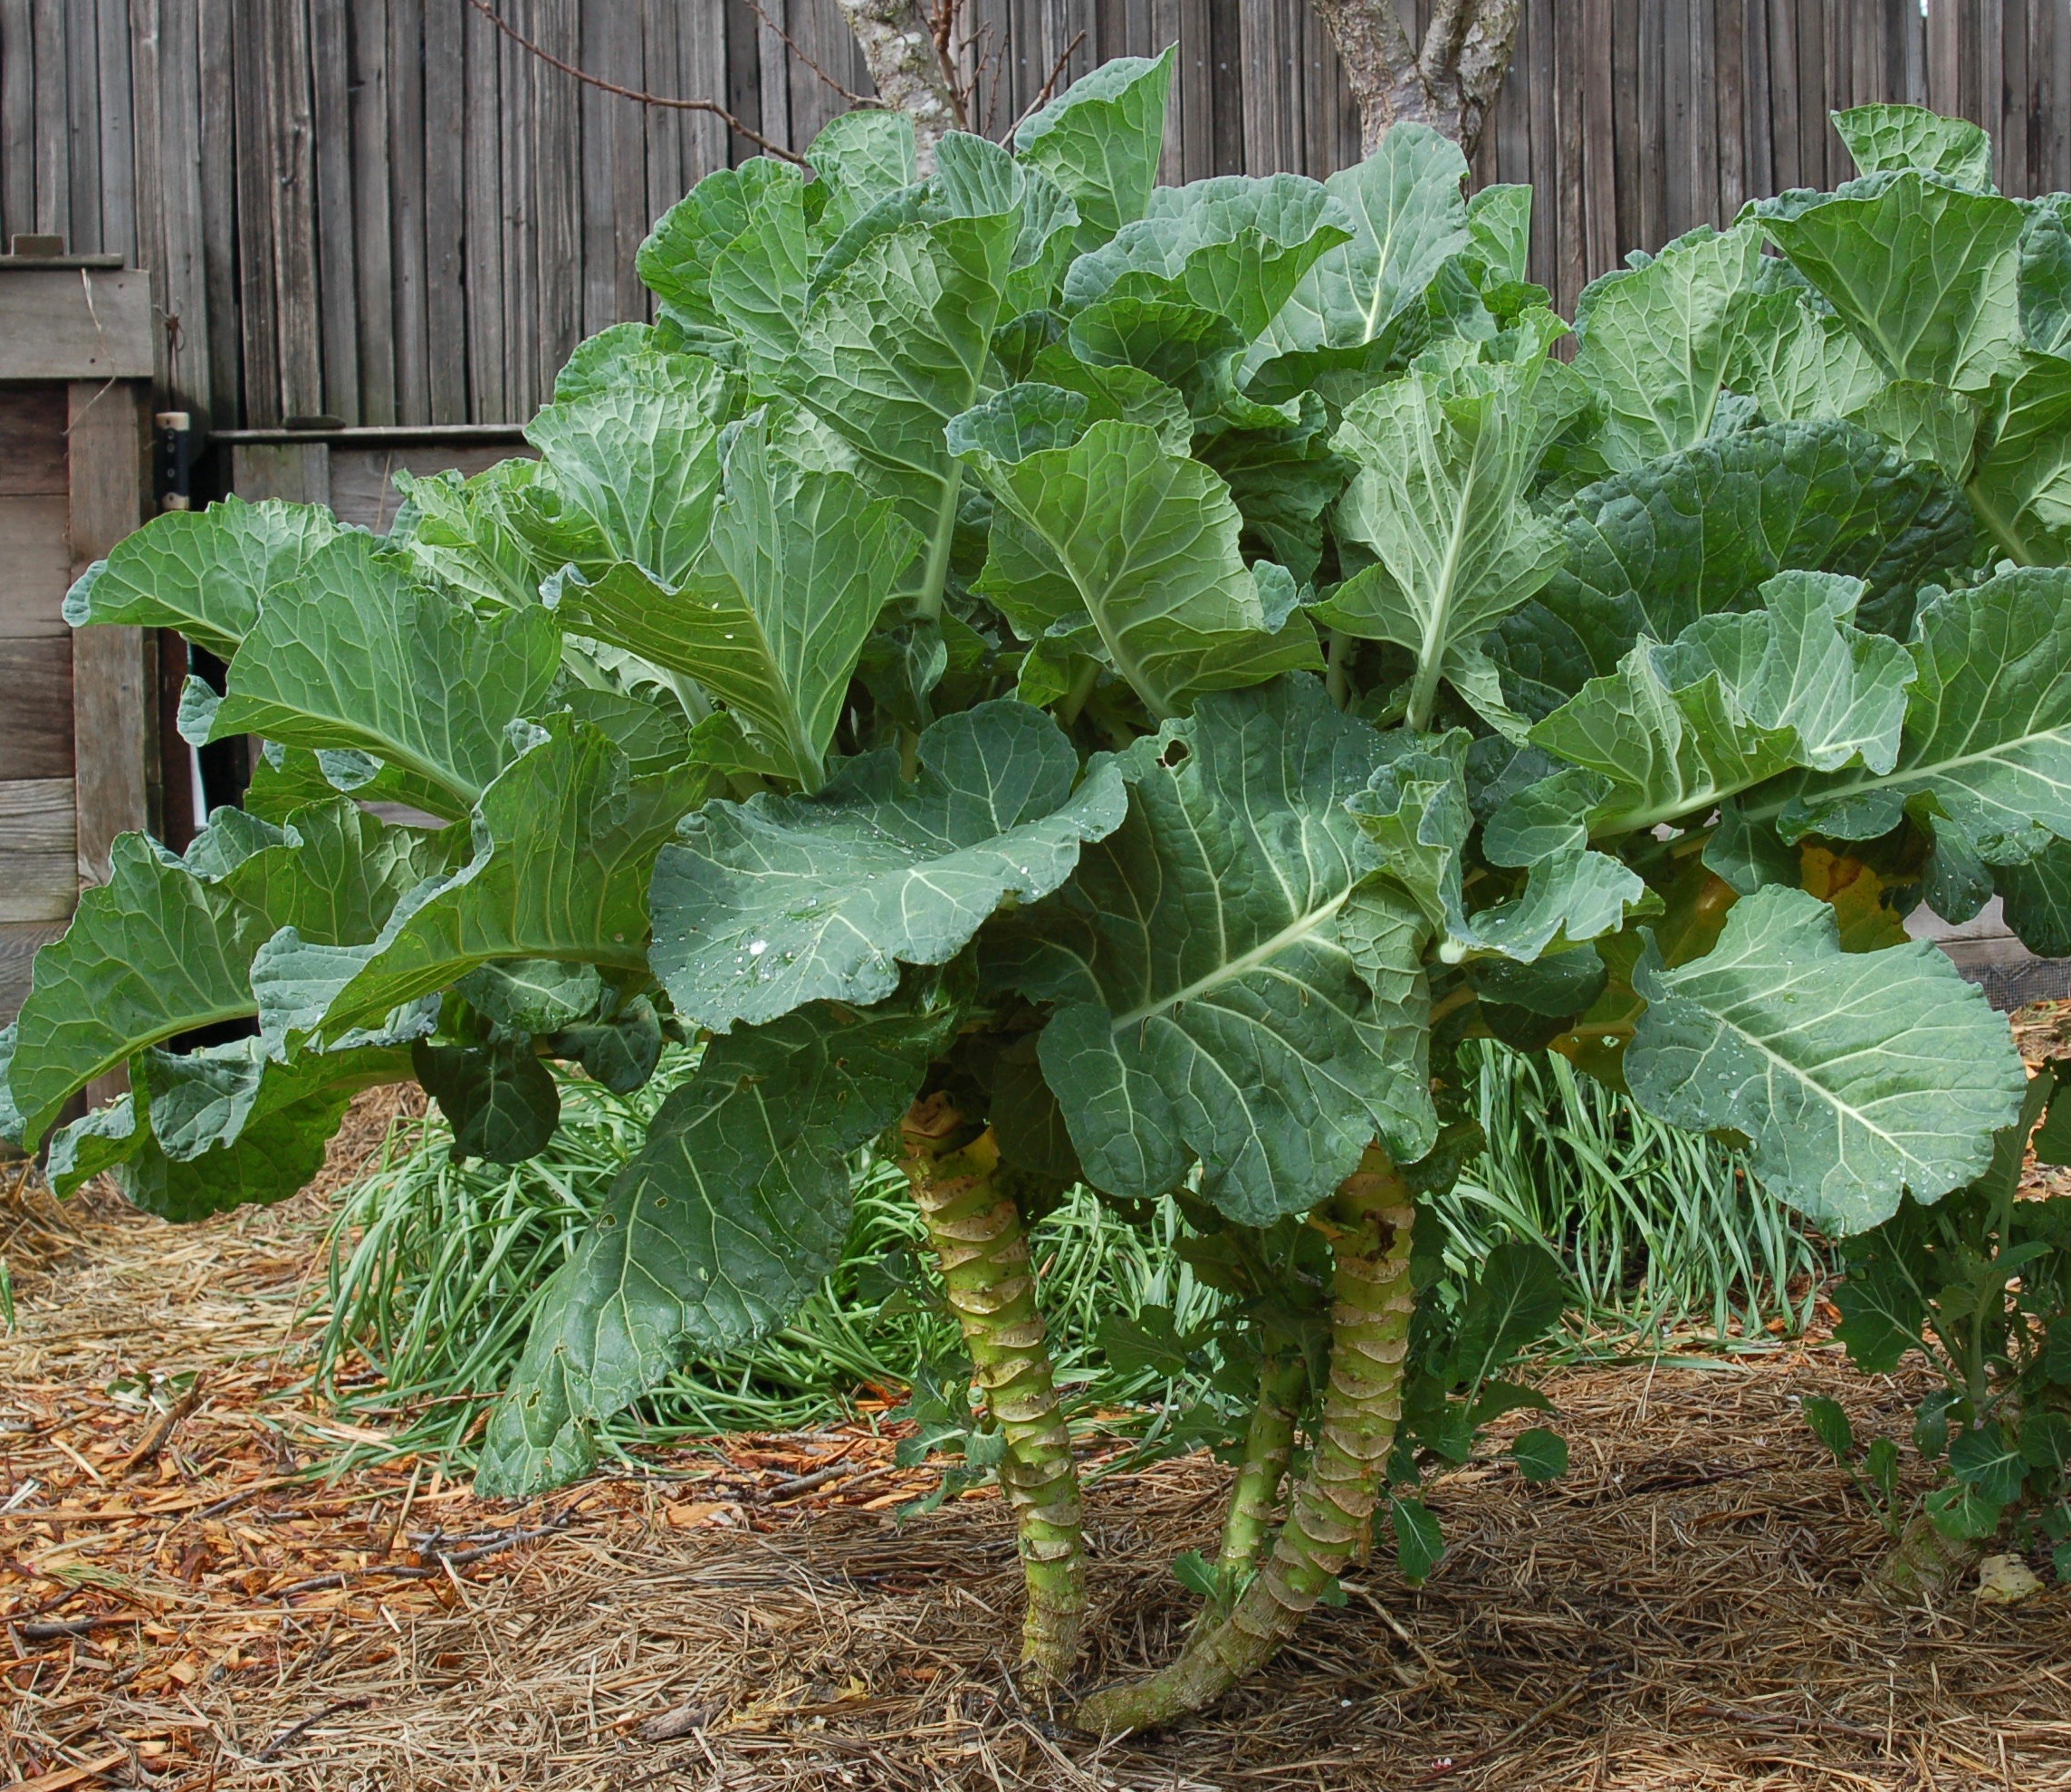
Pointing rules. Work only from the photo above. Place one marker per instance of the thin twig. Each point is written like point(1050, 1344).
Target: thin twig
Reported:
point(294, 1732)
point(711, 106)
point(792, 43)
point(1047, 88)
point(159, 1432)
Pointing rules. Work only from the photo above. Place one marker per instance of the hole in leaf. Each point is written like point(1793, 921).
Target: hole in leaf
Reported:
point(1177, 752)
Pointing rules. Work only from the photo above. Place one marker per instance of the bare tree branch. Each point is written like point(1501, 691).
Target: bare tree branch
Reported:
point(826, 79)
point(589, 80)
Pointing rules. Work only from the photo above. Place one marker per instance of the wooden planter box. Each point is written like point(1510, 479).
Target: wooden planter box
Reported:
point(79, 738)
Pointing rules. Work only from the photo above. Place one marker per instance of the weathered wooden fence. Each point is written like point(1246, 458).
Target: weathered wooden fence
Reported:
point(386, 212)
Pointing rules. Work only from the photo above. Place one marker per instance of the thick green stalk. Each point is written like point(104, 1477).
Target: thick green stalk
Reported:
point(976, 1231)
point(1269, 1443)
point(1370, 1219)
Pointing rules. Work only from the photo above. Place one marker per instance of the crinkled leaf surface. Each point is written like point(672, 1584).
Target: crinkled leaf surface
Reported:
point(354, 655)
point(1885, 138)
point(632, 438)
point(1988, 728)
point(1415, 810)
point(1856, 1076)
point(154, 951)
point(1100, 141)
point(1798, 363)
point(204, 572)
point(564, 849)
point(772, 621)
point(1656, 340)
point(1733, 701)
point(1229, 988)
point(1926, 274)
point(1231, 244)
point(894, 345)
point(736, 1206)
point(2022, 489)
point(764, 906)
point(1131, 549)
point(678, 256)
point(1650, 551)
point(1445, 458)
point(1407, 217)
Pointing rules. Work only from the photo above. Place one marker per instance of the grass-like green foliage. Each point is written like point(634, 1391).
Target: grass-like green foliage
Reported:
point(1660, 1231)
point(434, 1269)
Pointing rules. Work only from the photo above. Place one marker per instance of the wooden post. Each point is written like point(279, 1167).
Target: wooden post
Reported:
point(114, 671)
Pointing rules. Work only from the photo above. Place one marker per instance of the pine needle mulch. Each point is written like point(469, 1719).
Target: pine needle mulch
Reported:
point(190, 1603)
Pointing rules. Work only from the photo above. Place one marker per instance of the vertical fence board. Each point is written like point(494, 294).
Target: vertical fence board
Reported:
point(373, 242)
point(482, 247)
point(444, 211)
point(406, 210)
point(330, 41)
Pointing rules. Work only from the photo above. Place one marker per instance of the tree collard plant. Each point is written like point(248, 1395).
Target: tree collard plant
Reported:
point(1088, 682)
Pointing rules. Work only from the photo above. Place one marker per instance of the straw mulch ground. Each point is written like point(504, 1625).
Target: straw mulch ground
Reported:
point(1684, 1610)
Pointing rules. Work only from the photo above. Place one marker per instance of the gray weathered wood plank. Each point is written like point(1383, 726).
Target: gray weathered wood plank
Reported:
point(445, 188)
point(73, 324)
point(373, 247)
point(18, 116)
point(114, 692)
point(36, 568)
point(221, 338)
point(291, 120)
point(330, 68)
point(19, 944)
point(35, 723)
point(406, 271)
point(483, 230)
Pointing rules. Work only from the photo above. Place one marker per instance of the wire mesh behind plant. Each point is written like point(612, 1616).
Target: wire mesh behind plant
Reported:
point(1662, 1230)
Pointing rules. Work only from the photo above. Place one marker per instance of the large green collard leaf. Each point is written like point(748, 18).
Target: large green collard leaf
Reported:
point(1986, 745)
point(733, 1211)
point(2046, 275)
point(2021, 489)
point(773, 620)
point(894, 346)
point(354, 655)
point(337, 873)
point(677, 258)
point(765, 905)
point(157, 951)
point(1417, 810)
point(206, 573)
point(1886, 139)
point(1856, 1076)
point(861, 157)
point(1229, 987)
point(1447, 457)
point(1100, 141)
point(1733, 701)
point(471, 536)
point(2036, 894)
point(631, 440)
point(1798, 363)
point(1125, 549)
point(214, 1128)
point(1926, 274)
point(1234, 245)
point(1282, 477)
point(1408, 218)
point(1657, 341)
point(1650, 551)
point(564, 849)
